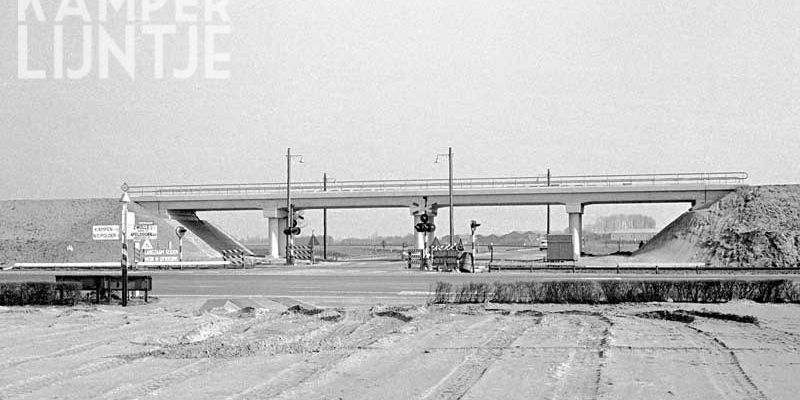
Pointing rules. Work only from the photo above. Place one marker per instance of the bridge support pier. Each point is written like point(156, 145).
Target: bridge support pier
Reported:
point(274, 238)
point(276, 220)
point(575, 212)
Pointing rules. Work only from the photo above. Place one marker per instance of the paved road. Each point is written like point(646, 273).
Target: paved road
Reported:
point(352, 283)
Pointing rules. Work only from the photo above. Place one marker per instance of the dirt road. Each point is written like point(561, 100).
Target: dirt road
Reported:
point(257, 348)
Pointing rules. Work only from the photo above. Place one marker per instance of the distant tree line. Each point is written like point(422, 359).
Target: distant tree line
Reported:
point(622, 223)
point(611, 223)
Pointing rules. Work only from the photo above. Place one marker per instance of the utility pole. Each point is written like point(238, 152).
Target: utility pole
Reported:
point(289, 237)
point(325, 220)
point(450, 158)
point(548, 204)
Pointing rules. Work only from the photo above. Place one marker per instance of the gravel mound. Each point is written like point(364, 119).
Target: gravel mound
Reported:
point(753, 227)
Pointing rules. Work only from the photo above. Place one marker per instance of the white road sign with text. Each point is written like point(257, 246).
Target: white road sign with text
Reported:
point(105, 232)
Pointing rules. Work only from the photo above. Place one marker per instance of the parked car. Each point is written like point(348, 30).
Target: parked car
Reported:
point(542, 244)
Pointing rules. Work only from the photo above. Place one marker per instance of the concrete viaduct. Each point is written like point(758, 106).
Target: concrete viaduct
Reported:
point(181, 202)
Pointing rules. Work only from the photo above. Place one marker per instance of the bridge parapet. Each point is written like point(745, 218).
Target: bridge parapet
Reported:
point(731, 178)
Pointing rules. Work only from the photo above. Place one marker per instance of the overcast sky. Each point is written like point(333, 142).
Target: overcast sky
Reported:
point(374, 89)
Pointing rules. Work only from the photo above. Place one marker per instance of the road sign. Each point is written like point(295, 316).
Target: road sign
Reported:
point(147, 245)
point(105, 232)
point(143, 232)
point(161, 255)
point(130, 224)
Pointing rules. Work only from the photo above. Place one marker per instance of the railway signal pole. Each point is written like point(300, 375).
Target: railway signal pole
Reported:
point(449, 156)
point(289, 210)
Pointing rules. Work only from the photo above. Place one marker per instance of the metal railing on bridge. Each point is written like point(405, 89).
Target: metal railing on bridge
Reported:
point(442, 184)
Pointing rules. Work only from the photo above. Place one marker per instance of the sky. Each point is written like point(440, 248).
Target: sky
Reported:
point(375, 89)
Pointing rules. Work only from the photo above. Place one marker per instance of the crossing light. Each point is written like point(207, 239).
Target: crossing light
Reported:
point(424, 227)
point(473, 225)
point(298, 220)
point(293, 231)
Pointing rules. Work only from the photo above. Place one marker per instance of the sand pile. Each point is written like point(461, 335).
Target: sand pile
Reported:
point(61, 231)
point(752, 227)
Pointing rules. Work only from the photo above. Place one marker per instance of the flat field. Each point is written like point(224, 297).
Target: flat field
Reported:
point(261, 347)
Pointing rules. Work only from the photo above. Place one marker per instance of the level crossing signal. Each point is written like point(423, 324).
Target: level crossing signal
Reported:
point(425, 227)
point(293, 231)
point(473, 225)
point(296, 222)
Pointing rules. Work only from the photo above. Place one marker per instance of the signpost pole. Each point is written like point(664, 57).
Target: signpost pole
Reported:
point(325, 221)
point(124, 262)
point(548, 205)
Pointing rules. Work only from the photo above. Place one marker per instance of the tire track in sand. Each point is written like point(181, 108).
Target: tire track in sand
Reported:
point(466, 374)
point(730, 366)
point(153, 386)
point(74, 344)
point(720, 366)
point(204, 363)
point(579, 376)
point(36, 383)
point(341, 343)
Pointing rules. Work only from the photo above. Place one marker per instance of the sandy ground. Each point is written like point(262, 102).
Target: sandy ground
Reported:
point(257, 348)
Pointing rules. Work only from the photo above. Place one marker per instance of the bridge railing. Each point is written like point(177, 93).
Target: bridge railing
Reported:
point(442, 184)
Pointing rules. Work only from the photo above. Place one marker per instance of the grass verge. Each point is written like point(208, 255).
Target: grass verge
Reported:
point(618, 291)
point(39, 293)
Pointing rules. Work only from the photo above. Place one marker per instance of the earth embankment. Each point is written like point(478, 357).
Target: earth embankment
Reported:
point(755, 226)
point(61, 231)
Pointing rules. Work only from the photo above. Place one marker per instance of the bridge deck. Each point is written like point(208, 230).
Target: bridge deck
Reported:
point(370, 186)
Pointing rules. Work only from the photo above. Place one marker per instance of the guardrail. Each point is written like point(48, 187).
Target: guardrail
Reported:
point(656, 268)
point(442, 184)
point(114, 265)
